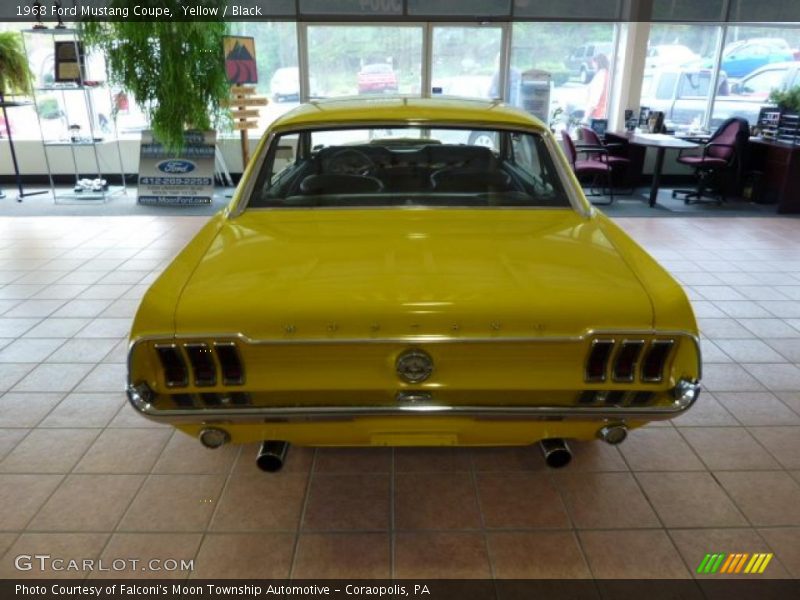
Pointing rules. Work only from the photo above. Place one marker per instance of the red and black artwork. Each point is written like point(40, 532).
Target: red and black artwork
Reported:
point(240, 60)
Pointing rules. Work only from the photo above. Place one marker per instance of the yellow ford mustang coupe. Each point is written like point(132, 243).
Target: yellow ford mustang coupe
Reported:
point(403, 271)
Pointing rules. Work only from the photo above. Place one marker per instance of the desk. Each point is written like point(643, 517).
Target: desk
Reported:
point(660, 142)
point(780, 165)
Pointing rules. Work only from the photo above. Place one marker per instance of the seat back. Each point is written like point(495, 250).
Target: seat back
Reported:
point(734, 133)
point(465, 180)
point(340, 183)
point(590, 137)
point(569, 146)
point(458, 156)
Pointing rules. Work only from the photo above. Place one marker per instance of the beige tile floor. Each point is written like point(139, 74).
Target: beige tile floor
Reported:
point(81, 476)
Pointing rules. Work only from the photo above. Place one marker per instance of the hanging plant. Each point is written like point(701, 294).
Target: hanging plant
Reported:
point(174, 69)
point(15, 76)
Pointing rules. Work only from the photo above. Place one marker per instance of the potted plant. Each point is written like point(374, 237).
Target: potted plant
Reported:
point(787, 100)
point(174, 69)
point(789, 103)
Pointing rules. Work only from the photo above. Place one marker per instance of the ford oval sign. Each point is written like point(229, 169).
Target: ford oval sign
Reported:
point(175, 166)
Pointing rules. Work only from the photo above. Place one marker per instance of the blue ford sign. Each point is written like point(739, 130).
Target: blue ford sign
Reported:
point(175, 166)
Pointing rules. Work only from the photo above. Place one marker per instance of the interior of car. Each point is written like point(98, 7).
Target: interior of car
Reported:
point(413, 171)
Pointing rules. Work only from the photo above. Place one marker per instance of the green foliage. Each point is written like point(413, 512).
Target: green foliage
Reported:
point(175, 70)
point(788, 99)
point(15, 76)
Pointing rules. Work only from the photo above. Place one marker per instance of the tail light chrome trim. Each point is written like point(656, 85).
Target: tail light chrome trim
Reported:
point(626, 360)
point(230, 363)
point(204, 368)
point(173, 365)
point(655, 360)
point(596, 365)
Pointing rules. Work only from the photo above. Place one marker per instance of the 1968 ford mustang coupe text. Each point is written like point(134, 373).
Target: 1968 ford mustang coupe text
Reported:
point(378, 280)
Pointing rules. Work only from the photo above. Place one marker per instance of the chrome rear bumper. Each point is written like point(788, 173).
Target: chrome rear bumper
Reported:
point(685, 394)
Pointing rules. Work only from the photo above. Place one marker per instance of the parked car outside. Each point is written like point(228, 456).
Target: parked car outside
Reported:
point(743, 57)
point(377, 78)
point(582, 61)
point(285, 84)
point(404, 290)
point(682, 95)
point(669, 55)
point(759, 84)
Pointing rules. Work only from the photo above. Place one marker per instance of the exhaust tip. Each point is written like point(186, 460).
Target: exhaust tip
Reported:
point(556, 453)
point(211, 437)
point(272, 455)
point(613, 434)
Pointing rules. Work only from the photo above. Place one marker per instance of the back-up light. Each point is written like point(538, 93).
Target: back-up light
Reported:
point(203, 366)
point(230, 363)
point(175, 372)
point(655, 360)
point(597, 362)
point(626, 359)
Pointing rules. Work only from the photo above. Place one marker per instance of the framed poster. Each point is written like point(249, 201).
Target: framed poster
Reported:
point(70, 62)
point(240, 59)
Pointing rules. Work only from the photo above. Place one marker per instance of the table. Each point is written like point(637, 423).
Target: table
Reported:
point(660, 142)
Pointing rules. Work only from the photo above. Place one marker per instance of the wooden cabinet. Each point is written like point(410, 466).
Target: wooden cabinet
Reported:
point(779, 164)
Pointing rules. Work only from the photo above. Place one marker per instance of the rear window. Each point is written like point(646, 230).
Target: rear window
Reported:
point(408, 167)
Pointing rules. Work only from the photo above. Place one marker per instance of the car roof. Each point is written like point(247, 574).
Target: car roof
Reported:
point(406, 110)
point(788, 64)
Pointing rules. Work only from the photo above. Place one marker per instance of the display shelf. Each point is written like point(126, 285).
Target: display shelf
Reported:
point(92, 123)
point(51, 31)
point(67, 143)
point(72, 197)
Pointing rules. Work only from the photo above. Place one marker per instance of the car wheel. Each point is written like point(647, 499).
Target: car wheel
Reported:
point(584, 76)
point(482, 138)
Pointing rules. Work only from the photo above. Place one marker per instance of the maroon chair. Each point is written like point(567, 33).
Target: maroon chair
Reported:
point(722, 153)
point(597, 168)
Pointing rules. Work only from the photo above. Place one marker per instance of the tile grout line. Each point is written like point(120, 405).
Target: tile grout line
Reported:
point(302, 515)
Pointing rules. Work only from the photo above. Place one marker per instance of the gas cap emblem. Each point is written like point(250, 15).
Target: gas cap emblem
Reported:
point(414, 366)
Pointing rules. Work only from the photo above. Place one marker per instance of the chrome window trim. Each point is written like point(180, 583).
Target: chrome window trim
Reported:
point(576, 202)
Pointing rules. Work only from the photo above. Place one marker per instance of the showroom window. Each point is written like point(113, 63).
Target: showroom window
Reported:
point(579, 58)
point(369, 60)
point(276, 61)
point(755, 60)
point(679, 73)
point(466, 60)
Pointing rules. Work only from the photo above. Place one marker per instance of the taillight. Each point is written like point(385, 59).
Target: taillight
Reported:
point(597, 362)
point(626, 359)
point(175, 373)
point(230, 363)
point(203, 366)
point(655, 360)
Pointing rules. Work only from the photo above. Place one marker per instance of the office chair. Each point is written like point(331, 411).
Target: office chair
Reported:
point(596, 167)
point(723, 152)
point(590, 140)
